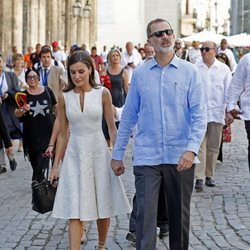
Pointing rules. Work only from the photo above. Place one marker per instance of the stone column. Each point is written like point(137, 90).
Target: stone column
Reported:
point(61, 22)
point(73, 25)
point(67, 14)
point(41, 36)
point(7, 27)
point(34, 22)
point(54, 21)
point(17, 15)
point(49, 5)
point(80, 30)
point(86, 34)
point(93, 23)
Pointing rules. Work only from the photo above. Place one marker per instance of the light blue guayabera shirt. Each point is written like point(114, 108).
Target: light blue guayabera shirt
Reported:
point(167, 104)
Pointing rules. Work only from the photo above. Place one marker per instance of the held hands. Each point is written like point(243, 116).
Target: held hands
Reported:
point(186, 161)
point(235, 113)
point(118, 167)
point(229, 118)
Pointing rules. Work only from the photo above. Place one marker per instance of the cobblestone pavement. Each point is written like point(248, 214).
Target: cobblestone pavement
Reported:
point(220, 216)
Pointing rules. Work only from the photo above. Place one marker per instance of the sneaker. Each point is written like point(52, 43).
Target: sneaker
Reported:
point(3, 170)
point(131, 236)
point(209, 182)
point(198, 185)
point(13, 164)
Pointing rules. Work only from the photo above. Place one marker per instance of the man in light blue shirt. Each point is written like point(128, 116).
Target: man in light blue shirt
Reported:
point(166, 102)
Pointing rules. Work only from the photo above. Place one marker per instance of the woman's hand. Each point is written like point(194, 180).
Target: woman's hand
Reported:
point(50, 150)
point(54, 175)
point(26, 107)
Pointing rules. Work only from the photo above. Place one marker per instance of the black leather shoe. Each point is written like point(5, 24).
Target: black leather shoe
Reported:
point(209, 182)
point(198, 185)
point(13, 164)
point(131, 236)
point(163, 233)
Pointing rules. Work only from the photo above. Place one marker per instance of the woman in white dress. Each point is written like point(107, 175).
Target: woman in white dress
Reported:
point(87, 189)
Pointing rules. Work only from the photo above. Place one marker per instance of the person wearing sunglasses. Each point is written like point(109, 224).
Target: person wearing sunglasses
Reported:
point(166, 102)
point(216, 77)
point(37, 115)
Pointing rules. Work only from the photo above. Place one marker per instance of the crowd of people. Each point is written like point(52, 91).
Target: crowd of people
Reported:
point(81, 109)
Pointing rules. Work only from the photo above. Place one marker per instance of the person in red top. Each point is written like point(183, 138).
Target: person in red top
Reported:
point(26, 57)
point(98, 60)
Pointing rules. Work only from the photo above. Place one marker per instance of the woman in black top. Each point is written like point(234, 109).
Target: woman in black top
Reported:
point(119, 84)
point(38, 116)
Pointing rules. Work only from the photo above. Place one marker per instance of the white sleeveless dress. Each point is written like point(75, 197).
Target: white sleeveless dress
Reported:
point(88, 189)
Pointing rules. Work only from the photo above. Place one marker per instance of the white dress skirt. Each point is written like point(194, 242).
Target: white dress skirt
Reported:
point(88, 189)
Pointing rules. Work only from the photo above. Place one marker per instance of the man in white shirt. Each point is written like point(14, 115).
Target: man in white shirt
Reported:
point(239, 93)
point(130, 59)
point(104, 55)
point(216, 77)
point(58, 54)
point(224, 49)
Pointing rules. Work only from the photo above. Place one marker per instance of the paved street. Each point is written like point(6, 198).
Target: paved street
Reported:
point(220, 216)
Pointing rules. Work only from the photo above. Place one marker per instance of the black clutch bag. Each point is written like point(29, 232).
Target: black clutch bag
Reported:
point(43, 195)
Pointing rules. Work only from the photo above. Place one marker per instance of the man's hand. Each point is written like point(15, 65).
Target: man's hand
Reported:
point(229, 118)
point(118, 167)
point(235, 113)
point(186, 161)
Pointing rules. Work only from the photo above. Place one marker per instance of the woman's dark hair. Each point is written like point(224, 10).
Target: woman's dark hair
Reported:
point(80, 56)
point(29, 70)
point(223, 57)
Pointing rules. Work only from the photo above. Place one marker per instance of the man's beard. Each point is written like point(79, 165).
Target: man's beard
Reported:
point(164, 50)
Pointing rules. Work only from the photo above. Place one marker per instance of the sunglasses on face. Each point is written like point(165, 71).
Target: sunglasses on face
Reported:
point(207, 49)
point(161, 33)
point(32, 77)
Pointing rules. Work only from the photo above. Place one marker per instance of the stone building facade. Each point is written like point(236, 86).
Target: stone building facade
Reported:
point(27, 22)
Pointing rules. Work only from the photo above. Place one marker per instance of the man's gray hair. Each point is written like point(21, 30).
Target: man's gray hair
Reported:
point(157, 20)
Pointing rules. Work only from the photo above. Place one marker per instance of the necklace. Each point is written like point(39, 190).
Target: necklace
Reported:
point(35, 91)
